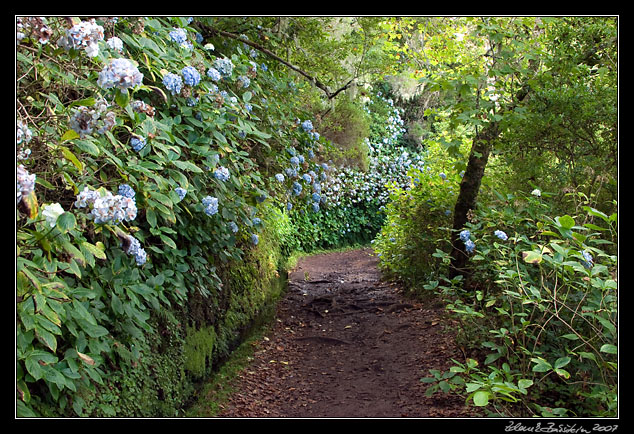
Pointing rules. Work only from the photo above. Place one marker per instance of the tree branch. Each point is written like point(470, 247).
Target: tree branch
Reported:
point(269, 53)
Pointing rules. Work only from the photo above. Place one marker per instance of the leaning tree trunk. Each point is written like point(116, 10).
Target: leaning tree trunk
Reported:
point(469, 188)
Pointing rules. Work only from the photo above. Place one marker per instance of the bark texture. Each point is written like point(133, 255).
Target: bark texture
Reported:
point(469, 188)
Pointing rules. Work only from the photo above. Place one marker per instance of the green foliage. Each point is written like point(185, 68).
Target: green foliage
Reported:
point(541, 307)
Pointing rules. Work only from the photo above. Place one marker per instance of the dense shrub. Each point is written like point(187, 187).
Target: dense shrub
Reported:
point(352, 198)
point(541, 308)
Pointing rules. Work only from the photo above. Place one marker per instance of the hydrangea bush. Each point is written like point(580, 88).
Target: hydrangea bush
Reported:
point(352, 201)
point(145, 164)
point(540, 310)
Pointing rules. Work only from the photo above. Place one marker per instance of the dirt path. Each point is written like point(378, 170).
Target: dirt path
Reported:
point(346, 344)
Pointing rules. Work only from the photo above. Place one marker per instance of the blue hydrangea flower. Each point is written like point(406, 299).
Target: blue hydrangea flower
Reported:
point(289, 206)
point(316, 197)
point(213, 74)
point(306, 177)
point(301, 159)
point(181, 192)
point(233, 227)
point(221, 173)
point(120, 73)
point(107, 207)
point(173, 83)
point(191, 76)
point(126, 191)
point(307, 125)
point(134, 248)
point(211, 205)
point(465, 235)
point(255, 239)
point(501, 235)
point(224, 66)
point(297, 188)
point(315, 207)
point(244, 81)
point(294, 161)
point(469, 246)
point(257, 221)
point(25, 182)
point(588, 263)
point(279, 177)
point(137, 143)
point(178, 35)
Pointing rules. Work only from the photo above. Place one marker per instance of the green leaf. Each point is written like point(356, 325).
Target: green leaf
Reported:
point(524, 383)
point(481, 398)
point(541, 365)
point(186, 165)
point(532, 257)
point(66, 222)
point(609, 348)
point(122, 97)
point(95, 250)
point(45, 337)
point(561, 362)
point(565, 222)
point(69, 135)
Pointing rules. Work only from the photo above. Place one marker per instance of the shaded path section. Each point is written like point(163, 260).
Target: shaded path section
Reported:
point(346, 344)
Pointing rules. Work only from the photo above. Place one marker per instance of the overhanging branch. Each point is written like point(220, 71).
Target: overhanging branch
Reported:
point(269, 53)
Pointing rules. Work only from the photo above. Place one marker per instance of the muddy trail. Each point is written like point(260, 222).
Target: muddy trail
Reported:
point(346, 344)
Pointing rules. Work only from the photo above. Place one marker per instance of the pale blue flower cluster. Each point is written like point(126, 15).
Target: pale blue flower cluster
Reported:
point(224, 66)
point(120, 73)
point(589, 260)
point(213, 74)
point(178, 35)
point(106, 207)
point(501, 235)
point(85, 120)
point(469, 246)
point(84, 35)
point(297, 188)
point(307, 125)
point(181, 192)
point(173, 83)
point(244, 81)
point(211, 205)
point(279, 177)
point(255, 239)
point(115, 44)
point(135, 249)
point(233, 227)
point(191, 76)
point(137, 143)
point(126, 191)
point(221, 173)
point(25, 182)
point(465, 237)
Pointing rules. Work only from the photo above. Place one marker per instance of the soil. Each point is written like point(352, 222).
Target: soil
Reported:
point(346, 344)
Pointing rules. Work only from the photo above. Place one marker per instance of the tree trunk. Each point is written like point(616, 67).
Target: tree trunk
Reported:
point(469, 188)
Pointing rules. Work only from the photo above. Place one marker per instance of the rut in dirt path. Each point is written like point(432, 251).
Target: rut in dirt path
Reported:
point(347, 344)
